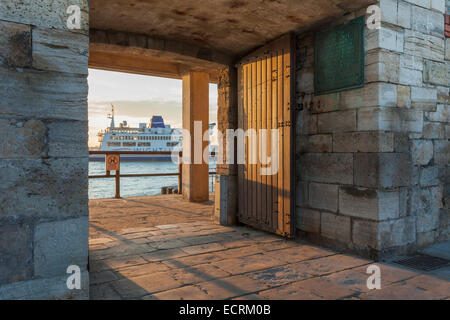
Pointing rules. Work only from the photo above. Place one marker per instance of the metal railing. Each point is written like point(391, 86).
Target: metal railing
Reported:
point(117, 176)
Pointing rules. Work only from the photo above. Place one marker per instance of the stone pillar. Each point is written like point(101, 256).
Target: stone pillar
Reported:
point(44, 211)
point(196, 122)
point(226, 206)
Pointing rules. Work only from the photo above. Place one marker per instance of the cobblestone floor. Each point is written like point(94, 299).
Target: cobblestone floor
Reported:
point(163, 248)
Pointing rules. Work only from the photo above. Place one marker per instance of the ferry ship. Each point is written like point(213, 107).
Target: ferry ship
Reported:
point(156, 136)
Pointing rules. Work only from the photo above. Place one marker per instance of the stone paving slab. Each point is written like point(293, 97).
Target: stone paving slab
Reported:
point(196, 259)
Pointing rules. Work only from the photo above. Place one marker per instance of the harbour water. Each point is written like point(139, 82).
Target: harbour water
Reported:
point(133, 187)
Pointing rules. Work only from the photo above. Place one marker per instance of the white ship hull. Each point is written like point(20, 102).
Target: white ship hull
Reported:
point(133, 157)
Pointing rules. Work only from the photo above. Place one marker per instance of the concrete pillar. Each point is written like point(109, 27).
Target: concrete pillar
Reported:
point(196, 121)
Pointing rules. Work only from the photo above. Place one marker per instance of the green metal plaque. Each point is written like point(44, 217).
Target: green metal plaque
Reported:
point(339, 57)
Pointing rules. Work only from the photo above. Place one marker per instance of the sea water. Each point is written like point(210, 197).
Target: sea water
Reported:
point(134, 187)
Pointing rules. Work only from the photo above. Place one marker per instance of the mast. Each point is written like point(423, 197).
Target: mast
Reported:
point(111, 116)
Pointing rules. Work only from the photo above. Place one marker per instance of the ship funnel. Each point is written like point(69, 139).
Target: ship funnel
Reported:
point(157, 122)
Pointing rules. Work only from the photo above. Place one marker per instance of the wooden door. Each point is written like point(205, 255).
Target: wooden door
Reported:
point(266, 201)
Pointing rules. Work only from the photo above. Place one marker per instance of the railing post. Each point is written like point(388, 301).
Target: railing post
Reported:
point(117, 184)
point(180, 174)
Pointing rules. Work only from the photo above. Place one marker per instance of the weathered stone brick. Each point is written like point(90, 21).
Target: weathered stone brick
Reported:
point(404, 15)
point(363, 142)
point(326, 167)
point(442, 152)
point(61, 51)
point(382, 66)
point(420, 3)
point(436, 73)
point(42, 95)
point(21, 139)
point(438, 5)
point(423, 45)
point(301, 191)
point(68, 139)
point(427, 21)
point(372, 95)
point(426, 201)
point(429, 176)
point(314, 143)
point(306, 123)
point(390, 119)
point(44, 13)
point(37, 189)
point(400, 232)
point(16, 248)
point(403, 96)
point(433, 130)
point(365, 234)
point(442, 114)
point(384, 170)
point(410, 77)
point(323, 196)
point(385, 38)
point(60, 244)
point(335, 227)
point(339, 121)
point(308, 220)
point(447, 49)
point(15, 44)
point(423, 98)
point(443, 94)
point(421, 151)
point(368, 203)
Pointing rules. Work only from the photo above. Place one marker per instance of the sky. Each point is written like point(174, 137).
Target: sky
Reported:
point(136, 99)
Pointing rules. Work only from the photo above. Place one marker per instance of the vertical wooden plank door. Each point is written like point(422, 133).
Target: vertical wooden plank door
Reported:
point(266, 201)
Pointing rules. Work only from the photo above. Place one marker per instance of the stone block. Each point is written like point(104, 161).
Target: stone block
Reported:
point(15, 44)
point(46, 289)
point(433, 130)
point(44, 188)
point(372, 95)
point(423, 45)
point(426, 21)
point(429, 176)
point(423, 98)
point(363, 142)
point(421, 151)
point(382, 66)
point(21, 139)
point(308, 220)
point(335, 227)
point(365, 234)
point(44, 13)
point(301, 191)
point(306, 123)
point(226, 198)
point(339, 121)
point(410, 77)
point(368, 203)
point(390, 119)
point(16, 253)
point(436, 73)
point(442, 114)
point(68, 139)
point(326, 167)
point(438, 5)
point(314, 143)
point(323, 196)
point(43, 95)
point(59, 244)
point(395, 233)
point(443, 94)
point(426, 201)
point(420, 3)
point(385, 170)
point(447, 49)
point(404, 15)
point(389, 11)
point(385, 38)
point(441, 152)
point(411, 62)
point(60, 50)
point(404, 97)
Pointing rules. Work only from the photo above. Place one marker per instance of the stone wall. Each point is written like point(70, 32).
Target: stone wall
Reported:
point(373, 163)
point(43, 149)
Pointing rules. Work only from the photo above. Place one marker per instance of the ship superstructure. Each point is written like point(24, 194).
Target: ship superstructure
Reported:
point(156, 136)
